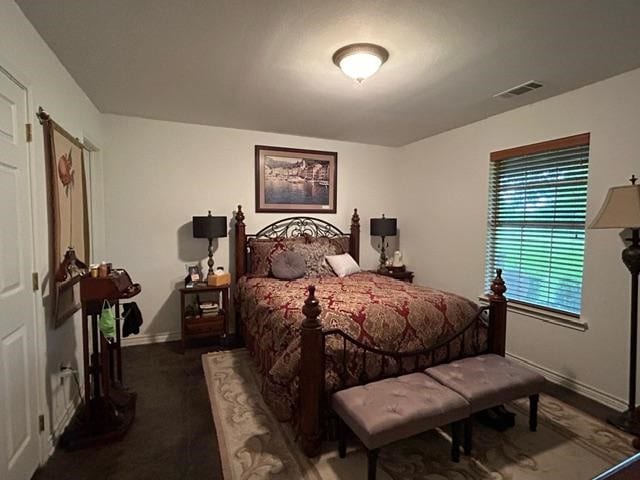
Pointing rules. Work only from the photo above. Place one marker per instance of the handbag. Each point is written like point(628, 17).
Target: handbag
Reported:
point(107, 323)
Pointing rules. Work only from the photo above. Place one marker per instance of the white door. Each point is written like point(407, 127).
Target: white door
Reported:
point(19, 449)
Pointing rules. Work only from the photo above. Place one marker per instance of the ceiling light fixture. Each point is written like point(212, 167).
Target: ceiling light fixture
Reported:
point(360, 60)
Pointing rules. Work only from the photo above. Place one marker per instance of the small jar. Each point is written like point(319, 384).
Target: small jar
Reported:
point(102, 270)
point(94, 270)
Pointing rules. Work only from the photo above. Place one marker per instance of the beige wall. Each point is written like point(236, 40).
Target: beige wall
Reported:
point(160, 174)
point(25, 55)
point(444, 221)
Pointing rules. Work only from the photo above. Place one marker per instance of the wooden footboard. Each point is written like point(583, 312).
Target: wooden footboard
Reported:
point(312, 368)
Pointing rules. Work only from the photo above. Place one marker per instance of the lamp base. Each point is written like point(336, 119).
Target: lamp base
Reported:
point(210, 253)
point(628, 421)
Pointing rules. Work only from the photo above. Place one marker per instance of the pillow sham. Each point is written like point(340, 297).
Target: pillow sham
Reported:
point(314, 251)
point(288, 265)
point(343, 265)
point(263, 251)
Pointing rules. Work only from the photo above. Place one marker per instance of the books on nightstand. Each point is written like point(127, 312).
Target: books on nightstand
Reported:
point(209, 309)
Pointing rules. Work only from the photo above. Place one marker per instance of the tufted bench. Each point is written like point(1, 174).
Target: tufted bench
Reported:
point(388, 410)
point(486, 381)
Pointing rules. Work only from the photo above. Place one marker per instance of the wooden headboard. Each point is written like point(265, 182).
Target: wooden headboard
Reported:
point(292, 227)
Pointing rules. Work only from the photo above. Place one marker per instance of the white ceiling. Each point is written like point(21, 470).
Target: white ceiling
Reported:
point(266, 64)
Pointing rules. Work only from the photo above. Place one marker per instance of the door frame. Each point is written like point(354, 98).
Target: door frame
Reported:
point(44, 446)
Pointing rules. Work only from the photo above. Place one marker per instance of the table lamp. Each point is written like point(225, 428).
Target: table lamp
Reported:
point(621, 209)
point(210, 227)
point(383, 227)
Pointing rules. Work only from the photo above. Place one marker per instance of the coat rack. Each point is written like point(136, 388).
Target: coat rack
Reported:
point(109, 407)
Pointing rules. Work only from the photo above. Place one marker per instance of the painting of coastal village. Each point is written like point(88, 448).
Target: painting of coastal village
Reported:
point(296, 182)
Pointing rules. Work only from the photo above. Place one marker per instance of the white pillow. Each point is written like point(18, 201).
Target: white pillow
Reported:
point(343, 264)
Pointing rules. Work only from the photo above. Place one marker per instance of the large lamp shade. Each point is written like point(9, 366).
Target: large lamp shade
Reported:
point(209, 227)
point(621, 208)
point(383, 227)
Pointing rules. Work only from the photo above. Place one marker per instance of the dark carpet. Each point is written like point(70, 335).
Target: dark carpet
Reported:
point(173, 436)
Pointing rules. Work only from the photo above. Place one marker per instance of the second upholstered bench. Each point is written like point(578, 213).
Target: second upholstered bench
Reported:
point(385, 411)
point(393, 409)
point(486, 381)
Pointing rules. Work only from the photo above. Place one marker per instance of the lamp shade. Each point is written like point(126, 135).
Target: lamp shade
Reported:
point(621, 208)
point(209, 226)
point(383, 227)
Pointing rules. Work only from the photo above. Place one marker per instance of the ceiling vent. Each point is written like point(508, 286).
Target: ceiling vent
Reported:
point(519, 89)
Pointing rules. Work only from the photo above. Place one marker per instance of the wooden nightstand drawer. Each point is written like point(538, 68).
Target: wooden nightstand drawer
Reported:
point(214, 327)
point(192, 320)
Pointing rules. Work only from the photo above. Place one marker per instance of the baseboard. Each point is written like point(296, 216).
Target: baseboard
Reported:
point(574, 385)
point(148, 338)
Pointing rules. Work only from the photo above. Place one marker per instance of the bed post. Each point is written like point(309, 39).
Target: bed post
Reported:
point(497, 315)
point(311, 375)
point(241, 244)
point(354, 239)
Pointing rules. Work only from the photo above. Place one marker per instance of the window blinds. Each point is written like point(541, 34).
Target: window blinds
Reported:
point(536, 224)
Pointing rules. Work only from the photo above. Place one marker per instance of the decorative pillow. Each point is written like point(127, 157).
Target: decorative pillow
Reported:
point(343, 264)
point(314, 252)
point(288, 265)
point(341, 244)
point(264, 250)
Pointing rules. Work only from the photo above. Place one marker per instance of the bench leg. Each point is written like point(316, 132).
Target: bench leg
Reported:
point(533, 412)
point(372, 457)
point(468, 432)
point(342, 439)
point(456, 428)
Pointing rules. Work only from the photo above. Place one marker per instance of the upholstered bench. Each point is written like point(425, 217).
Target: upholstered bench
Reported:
point(486, 381)
point(388, 410)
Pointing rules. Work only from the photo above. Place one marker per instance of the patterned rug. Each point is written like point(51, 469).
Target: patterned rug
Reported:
point(254, 445)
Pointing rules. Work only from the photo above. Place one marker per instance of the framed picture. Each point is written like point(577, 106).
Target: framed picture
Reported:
point(69, 212)
point(193, 274)
point(295, 180)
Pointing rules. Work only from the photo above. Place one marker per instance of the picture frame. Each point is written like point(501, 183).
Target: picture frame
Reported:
point(68, 204)
point(194, 275)
point(294, 180)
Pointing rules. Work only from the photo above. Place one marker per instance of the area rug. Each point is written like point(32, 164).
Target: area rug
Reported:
point(254, 445)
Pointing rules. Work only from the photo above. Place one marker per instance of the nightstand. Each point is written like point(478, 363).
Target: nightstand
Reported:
point(200, 320)
point(404, 275)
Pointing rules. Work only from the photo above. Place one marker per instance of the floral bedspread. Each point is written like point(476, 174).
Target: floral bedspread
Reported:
point(377, 310)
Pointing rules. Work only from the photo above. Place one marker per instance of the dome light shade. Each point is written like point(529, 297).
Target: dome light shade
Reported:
point(360, 60)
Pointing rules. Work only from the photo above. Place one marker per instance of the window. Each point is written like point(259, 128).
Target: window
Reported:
point(536, 222)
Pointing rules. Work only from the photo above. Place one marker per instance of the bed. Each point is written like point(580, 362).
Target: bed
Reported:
point(313, 336)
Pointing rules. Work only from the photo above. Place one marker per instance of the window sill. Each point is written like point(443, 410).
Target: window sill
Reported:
point(548, 316)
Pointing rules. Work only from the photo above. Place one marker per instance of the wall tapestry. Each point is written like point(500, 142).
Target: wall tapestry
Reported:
point(69, 216)
point(295, 180)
